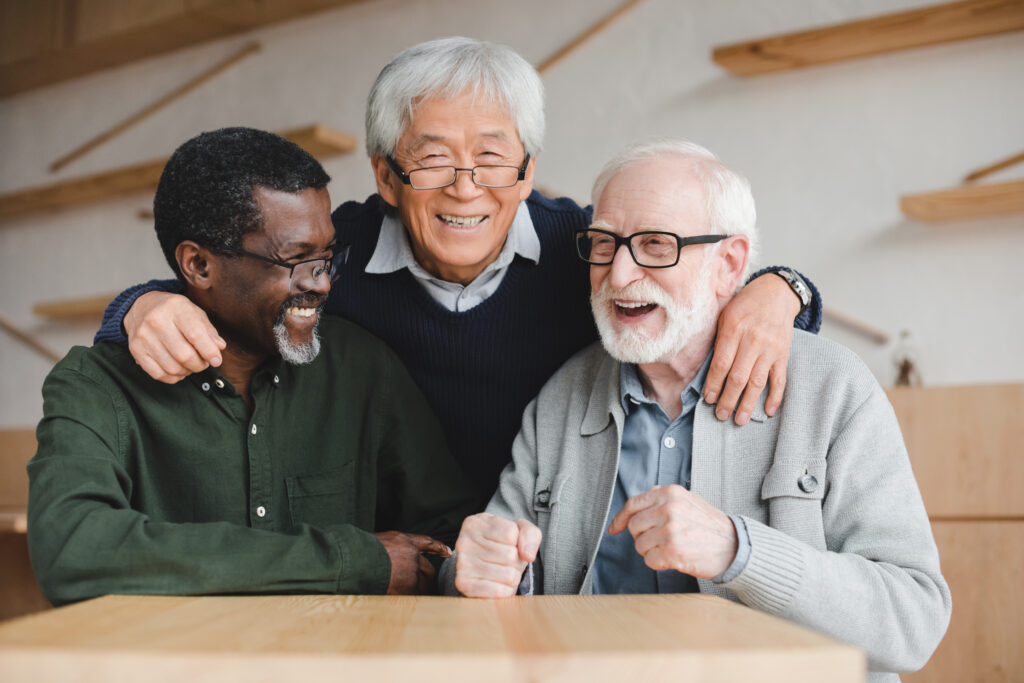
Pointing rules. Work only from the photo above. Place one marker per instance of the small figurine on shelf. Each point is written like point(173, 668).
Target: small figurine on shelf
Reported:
point(904, 357)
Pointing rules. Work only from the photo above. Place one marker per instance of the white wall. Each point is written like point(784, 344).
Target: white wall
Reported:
point(829, 150)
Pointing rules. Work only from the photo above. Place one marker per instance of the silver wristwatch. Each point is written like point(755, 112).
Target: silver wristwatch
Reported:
point(797, 284)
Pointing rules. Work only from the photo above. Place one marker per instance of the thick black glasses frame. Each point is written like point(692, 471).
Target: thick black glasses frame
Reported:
point(339, 259)
point(404, 177)
point(628, 241)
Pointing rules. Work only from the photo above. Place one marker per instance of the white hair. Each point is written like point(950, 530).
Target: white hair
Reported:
point(729, 201)
point(446, 68)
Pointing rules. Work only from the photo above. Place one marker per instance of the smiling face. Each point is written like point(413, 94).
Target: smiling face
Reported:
point(648, 315)
point(456, 231)
point(252, 302)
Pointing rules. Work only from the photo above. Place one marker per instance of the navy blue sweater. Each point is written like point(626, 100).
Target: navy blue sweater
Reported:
point(478, 368)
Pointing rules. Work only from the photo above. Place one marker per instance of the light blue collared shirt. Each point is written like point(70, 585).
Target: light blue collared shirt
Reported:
point(394, 253)
point(656, 451)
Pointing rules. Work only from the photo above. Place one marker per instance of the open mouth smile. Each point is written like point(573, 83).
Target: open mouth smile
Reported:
point(461, 222)
point(633, 309)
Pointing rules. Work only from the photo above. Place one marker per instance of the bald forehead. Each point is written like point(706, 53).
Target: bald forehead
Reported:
point(661, 193)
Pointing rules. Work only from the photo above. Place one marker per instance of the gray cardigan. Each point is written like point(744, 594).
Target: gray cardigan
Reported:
point(852, 557)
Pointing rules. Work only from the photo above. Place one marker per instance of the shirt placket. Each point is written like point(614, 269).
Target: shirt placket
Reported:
point(262, 510)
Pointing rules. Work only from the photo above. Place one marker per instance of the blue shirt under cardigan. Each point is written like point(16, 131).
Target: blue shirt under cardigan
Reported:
point(655, 451)
point(478, 368)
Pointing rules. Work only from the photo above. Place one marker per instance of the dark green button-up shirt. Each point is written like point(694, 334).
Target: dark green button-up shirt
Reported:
point(144, 487)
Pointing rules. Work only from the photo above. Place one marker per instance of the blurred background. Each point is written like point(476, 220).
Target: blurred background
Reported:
point(933, 298)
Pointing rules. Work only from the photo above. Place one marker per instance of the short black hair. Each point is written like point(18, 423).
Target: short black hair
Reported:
point(206, 189)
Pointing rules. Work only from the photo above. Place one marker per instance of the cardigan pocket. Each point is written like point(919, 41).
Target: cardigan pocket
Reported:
point(793, 490)
point(322, 499)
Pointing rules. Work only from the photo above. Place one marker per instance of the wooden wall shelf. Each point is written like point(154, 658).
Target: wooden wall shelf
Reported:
point(877, 35)
point(48, 41)
point(969, 201)
point(72, 309)
point(317, 139)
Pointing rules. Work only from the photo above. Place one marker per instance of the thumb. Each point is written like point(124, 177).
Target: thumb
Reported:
point(529, 540)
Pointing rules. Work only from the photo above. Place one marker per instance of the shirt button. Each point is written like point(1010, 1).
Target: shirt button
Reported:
point(261, 511)
point(254, 429)
point(277, 380)
point(808, 483)
point(669, 442)
point(219, 383)
point(206, 386)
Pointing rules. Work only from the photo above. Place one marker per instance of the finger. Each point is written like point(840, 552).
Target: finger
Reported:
point(203, 337)
point(425, 576)
point(647, 521)
point(736, 382)
point(153, 369)
point(778, 387)
point(480, 588)
point(159, 356)
point(427, 544)
point(725, 350)
point(755, 385)
point(634, 505)
point(186, 355)
point(470, 568)
point(529, 540)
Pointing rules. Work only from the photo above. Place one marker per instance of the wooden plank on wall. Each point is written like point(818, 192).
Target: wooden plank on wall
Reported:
point(69, 309)
point(84, 36)
point(914, 28)
point(970, 201)
point(319, 140)
point(965, 447)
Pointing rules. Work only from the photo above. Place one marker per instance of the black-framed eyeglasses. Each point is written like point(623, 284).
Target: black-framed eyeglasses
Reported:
point(649, 249)
point(304, 275)
point(434, 177)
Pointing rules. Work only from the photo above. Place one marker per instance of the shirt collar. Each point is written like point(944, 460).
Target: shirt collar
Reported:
point(631, 392)
point(393, 252)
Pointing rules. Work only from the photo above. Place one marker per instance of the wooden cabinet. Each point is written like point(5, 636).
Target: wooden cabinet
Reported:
point(966, 445)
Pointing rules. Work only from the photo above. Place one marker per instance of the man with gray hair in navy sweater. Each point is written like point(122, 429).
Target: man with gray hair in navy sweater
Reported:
point(623, 481)
point(464, 270)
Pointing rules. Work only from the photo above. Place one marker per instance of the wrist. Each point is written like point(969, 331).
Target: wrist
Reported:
point(797, 286)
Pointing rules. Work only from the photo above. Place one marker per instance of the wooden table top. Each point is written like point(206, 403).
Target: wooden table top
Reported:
point(307, 637)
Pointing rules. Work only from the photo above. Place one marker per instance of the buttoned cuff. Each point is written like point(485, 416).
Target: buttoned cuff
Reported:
point(739, 563)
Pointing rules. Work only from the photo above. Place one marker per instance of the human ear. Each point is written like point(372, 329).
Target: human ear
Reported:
point(526, 184)
point(387, 183)
point(195, 264)
point(733, 253)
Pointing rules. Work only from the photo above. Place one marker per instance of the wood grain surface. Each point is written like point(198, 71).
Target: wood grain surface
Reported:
point(648, 637)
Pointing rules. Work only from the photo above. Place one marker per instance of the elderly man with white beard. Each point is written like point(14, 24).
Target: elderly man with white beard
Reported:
point(812, 515)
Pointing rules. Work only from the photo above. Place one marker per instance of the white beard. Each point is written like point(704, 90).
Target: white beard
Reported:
point(296, 354)
point(682, 323)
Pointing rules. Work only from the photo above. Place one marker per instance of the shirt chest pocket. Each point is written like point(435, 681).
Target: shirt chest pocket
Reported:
point(322, 499)
point(793, 491)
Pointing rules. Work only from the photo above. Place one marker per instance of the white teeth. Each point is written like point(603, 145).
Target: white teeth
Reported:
point(301, 312)
point(631, 304)
point(461, 221)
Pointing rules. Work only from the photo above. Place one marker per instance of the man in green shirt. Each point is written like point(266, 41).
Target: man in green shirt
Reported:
point(275, 472)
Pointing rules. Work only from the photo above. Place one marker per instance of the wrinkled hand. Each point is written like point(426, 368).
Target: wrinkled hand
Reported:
point(755, 331)
point(411, 571)
point(673, 528)
point(170, 337)
point(492, 553)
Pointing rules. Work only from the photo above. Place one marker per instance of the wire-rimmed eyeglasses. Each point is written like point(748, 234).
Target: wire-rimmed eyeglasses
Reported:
point(649, 249)
point(434, 177)
point(304, 275)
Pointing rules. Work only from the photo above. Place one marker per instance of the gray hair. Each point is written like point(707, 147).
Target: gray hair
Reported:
point(730, 203)
point(446, 68)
